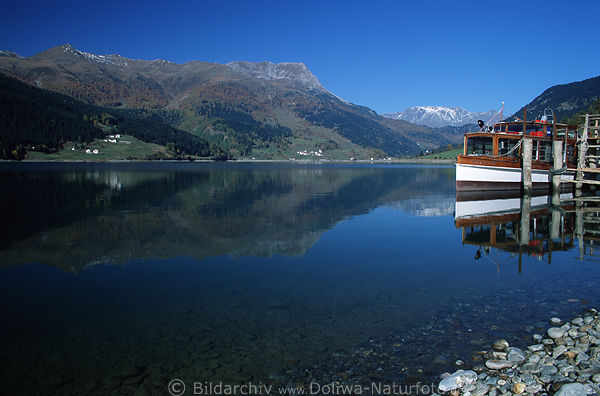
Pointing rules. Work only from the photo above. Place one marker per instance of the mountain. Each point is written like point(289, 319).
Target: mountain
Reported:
point(439, 116)
point(565, 99)
point(34, 119)
point(263, 110)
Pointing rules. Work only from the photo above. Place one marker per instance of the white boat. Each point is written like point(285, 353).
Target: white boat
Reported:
point(491, 159)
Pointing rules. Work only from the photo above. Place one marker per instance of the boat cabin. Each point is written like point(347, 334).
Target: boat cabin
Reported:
point(502, 142)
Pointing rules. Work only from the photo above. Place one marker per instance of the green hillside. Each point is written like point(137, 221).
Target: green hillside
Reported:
point(36, 120)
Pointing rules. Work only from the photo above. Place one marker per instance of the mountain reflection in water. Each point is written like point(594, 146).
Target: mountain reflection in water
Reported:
point(70, 217)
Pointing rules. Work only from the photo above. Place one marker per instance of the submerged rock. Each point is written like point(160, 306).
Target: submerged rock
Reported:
point(498, 364)
point(500, 345)
point(555, 332)
point(515, 355)
point(457, 380)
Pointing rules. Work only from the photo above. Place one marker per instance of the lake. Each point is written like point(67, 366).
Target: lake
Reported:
point(119, 278)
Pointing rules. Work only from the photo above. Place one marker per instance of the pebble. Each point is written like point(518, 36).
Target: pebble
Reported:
point(515, 355)
point(519, 387)
point(457, 380)
point(556, 332)
point(565, 364)
point(500, 345)
point(498, 364)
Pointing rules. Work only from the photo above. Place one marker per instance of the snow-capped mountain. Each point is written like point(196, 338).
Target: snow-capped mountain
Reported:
point(439, 116)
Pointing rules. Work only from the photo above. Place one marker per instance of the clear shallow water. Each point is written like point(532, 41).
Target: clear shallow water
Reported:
point(119, 278)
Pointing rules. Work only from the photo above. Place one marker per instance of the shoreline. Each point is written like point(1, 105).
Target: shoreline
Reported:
point(415, 161)
point(564, 361)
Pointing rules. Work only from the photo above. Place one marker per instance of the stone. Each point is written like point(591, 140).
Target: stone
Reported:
point(530, 368)
point(457, 380)
point(559, 350)
point(534, 389)
point(481, 390)
point(556, 332)
point(500, 345)
point(498, 364)
point(582, 357)
point(536, 347)
point(515, 355)
point(573, 333)
point(556, 321)
point(574, 389)
point(537, 338)
point(519, 387)
point(548, 370)
point(596, 378)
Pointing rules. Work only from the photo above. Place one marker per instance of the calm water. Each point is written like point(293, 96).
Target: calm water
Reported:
point(119, 278)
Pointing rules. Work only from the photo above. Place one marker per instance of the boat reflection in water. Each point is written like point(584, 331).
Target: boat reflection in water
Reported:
point(531, 226)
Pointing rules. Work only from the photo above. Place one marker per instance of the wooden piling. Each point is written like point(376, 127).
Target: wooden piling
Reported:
point(581, 154)
point(526, 158)
point(557, 163)
point(527, 148)
point(525, 220)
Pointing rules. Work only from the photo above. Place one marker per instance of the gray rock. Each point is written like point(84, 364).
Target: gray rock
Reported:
point(549, 370)
point(573, 333)
point(481, 390)
point(574, 389)
point(596, 378)
point(577, 321)
point(533, 359)
point(530, 368)
point(559, 350)
point(498, 364)
point(534, 388)
point(556, 321)
point(556, 332)
point(536, 347)
point(581, 357)
point(457, 380)
point(515, 355)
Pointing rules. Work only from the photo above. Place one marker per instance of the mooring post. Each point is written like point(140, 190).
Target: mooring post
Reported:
point(557, 157)
point(579, 231)
point(525, 220)
point(581, 153)
point(556, 220)
point(526, 148)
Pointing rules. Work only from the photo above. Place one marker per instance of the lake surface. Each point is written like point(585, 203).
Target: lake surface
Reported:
point(118, 278)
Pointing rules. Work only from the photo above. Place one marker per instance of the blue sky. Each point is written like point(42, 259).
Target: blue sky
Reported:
point(387, 55)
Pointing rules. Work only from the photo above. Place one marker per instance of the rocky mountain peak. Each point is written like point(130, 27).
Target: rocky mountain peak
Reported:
point(440, 116)
point(9, 54)
point(295, 72)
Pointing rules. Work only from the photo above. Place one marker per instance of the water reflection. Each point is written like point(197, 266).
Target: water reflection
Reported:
point(497, 222)
point(74, 218)
point(262, 273)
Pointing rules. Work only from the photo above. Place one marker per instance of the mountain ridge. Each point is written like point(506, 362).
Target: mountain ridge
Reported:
point(210, 100)
point(440, 116)
point(566, 99)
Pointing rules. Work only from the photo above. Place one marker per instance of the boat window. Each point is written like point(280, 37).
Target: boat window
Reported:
point(544, 150)
point(506, 145)
point(480, 145)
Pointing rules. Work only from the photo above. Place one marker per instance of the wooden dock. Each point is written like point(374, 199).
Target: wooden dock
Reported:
point(588, 153)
